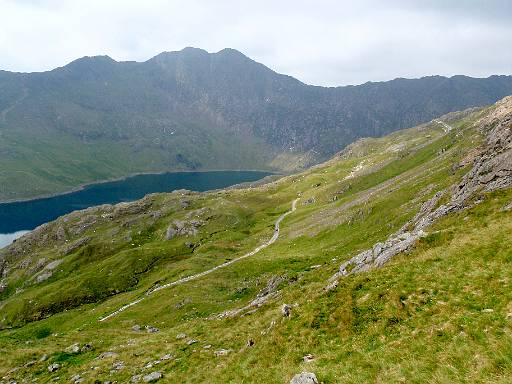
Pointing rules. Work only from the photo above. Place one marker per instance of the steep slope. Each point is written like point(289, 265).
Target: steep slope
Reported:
point(438, 312)
point(96, 118)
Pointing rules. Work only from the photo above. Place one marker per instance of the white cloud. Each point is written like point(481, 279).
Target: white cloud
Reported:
point(322, 42)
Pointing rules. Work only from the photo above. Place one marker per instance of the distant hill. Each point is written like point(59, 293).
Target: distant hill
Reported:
point(96, 118)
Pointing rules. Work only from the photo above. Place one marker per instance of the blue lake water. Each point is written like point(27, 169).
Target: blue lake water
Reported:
point(26, 215)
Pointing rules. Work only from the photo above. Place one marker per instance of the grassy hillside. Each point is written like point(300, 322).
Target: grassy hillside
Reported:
point(440, 312)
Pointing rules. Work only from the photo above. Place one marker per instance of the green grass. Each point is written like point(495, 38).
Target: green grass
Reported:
point(441, 313)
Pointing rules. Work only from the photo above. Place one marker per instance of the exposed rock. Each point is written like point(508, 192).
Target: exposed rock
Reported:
point(87, 347)
point(183, 228)
point(77, 379)
point(73, 348)
point(286, 310)
point(132, 208)
point(261, 298)
point(43, 276)
point(167, 357)
point(75, 245)
point(183, 302)
point(60, 234)
point(507, 207)
point(181, 336)
point(118, 365)
point(192, 341)
point(30, 363)
point(136, 328)
point(151, 329)
point(83, 224)
point(308, 358)
point(54, 264)
point(108, 354)
point(222, 352)
point(132, 221)
point(304, 378)
point(492, 170)
point(380, 253)
point(53, 367)
point(311, 200)
point(153, 376)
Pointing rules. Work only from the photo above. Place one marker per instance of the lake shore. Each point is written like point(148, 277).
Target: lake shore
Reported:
point(83, 186)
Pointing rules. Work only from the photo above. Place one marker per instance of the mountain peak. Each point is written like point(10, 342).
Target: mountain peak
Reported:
point(95, 59)
point(230, 52)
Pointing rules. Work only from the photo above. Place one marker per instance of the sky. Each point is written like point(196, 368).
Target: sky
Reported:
point(320, 42)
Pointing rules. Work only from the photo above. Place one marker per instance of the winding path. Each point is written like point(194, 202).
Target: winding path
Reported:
point(272, 240)
point(446, 128)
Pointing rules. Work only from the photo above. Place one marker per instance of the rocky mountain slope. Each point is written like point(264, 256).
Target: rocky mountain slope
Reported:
point(388, 263)
point(96, 118)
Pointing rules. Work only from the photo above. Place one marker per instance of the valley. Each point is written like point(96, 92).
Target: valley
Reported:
point(394, 256)
point(98, 119)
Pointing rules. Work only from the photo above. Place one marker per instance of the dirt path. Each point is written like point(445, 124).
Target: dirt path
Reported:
point(446, 128)
point(272, 240)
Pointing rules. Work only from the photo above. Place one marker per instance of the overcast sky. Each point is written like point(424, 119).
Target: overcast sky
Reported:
point(320, 42)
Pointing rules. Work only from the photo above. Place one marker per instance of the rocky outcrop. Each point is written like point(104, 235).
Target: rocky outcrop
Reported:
point(183, 228)
point(267, 293)
point(492, 170)
point(75, 245)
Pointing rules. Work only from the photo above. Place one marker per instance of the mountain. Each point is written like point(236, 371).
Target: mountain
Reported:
point(97, 119)
point(390, 262)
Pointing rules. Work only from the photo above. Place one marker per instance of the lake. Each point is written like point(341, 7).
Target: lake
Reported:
point(17, 217)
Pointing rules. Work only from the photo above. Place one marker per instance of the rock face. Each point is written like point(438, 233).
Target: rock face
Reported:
point(304, 378)
point(182, 228)
point(492, 170)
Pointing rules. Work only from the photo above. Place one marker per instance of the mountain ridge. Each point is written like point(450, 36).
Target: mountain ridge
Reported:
point(241, 54)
